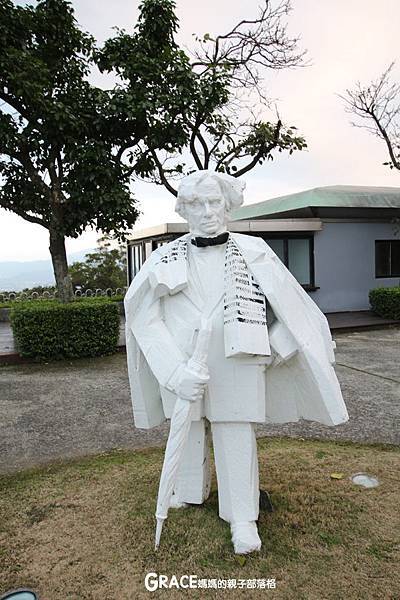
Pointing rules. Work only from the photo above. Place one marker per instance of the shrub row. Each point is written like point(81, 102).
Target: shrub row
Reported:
point(385, 302)
point(11, 303)
point(48, 330)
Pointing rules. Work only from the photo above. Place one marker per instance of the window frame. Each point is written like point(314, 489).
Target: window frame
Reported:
point(294, 236)
point(263, 234)
point(392, 275)
point(155, 243)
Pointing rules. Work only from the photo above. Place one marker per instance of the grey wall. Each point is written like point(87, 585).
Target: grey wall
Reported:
point(345, 264)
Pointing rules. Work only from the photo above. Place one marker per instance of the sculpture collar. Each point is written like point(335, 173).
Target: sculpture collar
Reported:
point(203, 242)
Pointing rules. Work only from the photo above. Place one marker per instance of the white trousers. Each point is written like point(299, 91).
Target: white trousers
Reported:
point(236, 463)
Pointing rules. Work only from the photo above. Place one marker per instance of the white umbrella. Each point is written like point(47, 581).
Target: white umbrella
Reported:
point(179, 430)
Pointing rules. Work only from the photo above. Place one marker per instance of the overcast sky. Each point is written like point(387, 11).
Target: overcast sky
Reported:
point(347, 40)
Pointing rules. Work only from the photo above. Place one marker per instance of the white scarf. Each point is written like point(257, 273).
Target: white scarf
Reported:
point(245, 321)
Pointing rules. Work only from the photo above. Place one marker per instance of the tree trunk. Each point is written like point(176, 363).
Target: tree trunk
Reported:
point(60, 266)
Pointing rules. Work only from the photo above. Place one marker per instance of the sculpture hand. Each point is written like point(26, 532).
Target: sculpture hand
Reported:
point(191, 385)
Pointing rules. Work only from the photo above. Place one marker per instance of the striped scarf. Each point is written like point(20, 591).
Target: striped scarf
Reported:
point(245, 312)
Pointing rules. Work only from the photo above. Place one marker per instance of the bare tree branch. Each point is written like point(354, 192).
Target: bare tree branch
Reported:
point(28, 217)
point(54, 177)
point(127, 146)
point(194, 151)
point(223, 131)
point(263, 151)
point(161, 173)
point(14, 103)
point(60, 167)
point(377, 107)
point(25, 160)
point(262, 42)
point(389, 143)
point(206, 151)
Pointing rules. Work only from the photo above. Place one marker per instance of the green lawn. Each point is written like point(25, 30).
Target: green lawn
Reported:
point(85, 529)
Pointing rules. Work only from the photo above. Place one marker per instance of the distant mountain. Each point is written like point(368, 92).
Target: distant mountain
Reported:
point(17, 275)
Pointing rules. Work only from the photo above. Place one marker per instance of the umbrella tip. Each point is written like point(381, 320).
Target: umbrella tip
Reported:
point(160, 522)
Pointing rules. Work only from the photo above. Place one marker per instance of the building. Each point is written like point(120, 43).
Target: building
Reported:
point(339, 241)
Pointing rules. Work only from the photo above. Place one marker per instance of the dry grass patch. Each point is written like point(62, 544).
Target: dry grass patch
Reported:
point(85, 530)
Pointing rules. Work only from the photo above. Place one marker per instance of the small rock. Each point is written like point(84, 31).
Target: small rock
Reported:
point(365, 480)
point(337, 475)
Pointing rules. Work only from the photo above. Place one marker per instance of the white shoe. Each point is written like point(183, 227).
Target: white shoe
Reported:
point(245, 537)
point(175, 503)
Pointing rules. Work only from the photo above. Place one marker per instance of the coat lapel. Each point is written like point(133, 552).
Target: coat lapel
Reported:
point(194, 297)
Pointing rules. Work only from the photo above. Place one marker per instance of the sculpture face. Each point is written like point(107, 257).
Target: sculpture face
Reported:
point(206, 213)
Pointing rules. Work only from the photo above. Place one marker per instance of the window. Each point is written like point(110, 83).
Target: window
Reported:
point(158, 243)
point(295, 251)
point(299, 259)
point(138, 252)
point(387, 258)
point(297, 254)
point(137, 258)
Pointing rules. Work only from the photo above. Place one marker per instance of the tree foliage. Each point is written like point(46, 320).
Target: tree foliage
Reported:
point(58, 163)
point(103, 269)
point(56, 139)
point(204, 101)
point(68, 148)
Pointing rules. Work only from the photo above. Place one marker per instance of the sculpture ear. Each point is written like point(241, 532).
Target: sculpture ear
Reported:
point(180, 207)
point(181, 211)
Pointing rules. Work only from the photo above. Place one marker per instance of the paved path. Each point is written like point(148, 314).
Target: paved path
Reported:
point(69, 409)
point(7, 345)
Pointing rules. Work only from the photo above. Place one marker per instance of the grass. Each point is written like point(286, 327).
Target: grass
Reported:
point(85, 529)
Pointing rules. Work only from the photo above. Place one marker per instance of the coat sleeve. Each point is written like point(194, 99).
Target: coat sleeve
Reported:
point(294, 306)
point(304, 385)
point(145, 322)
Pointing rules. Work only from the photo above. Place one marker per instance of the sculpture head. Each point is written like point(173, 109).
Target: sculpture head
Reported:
point(205, 200)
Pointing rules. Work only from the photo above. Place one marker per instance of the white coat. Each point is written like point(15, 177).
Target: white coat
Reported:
point(303, 385)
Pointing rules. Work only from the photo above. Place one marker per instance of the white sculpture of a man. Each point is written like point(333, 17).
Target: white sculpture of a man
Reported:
point(261, 370)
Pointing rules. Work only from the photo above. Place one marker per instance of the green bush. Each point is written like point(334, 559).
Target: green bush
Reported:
point(385, 302)
point(49, 330)
point(118, 298)
point(11, 303)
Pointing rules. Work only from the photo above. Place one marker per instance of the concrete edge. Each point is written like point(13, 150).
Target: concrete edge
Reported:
point(372, 327)
point(13, 358)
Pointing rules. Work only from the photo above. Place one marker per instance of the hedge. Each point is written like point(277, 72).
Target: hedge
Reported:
point(385, 302)
point(11, 303)
point(48, 330)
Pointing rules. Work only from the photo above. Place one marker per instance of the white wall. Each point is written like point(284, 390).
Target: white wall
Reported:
point(345, 264)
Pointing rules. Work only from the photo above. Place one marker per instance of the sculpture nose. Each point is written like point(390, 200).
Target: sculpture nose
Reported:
point(207, 208)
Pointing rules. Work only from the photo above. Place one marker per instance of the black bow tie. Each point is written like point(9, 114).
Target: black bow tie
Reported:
point(202, 242)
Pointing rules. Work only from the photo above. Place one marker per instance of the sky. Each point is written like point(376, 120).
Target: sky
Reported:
point(346, 41)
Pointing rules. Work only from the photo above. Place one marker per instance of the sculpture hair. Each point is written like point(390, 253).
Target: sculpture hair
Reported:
point(231, 188)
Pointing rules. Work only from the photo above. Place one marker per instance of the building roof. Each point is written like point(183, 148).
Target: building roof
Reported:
point(339, 200)
point(243, 226)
